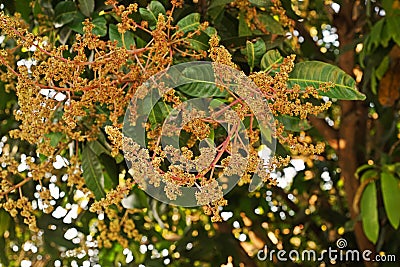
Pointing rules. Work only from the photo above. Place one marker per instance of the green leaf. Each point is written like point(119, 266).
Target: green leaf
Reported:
point(363, 168)
point(111, 177)
point(3, 256)
point(93, 172)
point(77, 23)
point(375, 36)
point(151, 13)
point(140, 43)
point(369, 174)
point(393, 24)
point(313, 73)
point(386, 35)
point(43, 7)
point(271, 24)
point(5, 219)
point(200, 42)
point(391, 197)
point(387, 5)
point(23, 7)
point(216, 10)
point(7, 98)
point(244, 29)
point(189, 23)
point(217, 3)
point(55, 138)
point(196, 82)
point(250, 55)
point(210, 31)
point(369, 212)
point(98, 148)
point(270, 60)
point(86, 7)
point(383, 67)
point(293, 124)
point(254, 52)
point(262, 3)
point(100, 26)
point(127, 39)
point(374, 83)
point(201, 89)
point(159, 113)
point(64, 12)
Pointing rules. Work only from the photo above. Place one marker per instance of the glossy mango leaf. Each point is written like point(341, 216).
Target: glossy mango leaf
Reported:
point(293, 124)
point(386, 34)
point(3, 256)
point(218, 3)
point(382, 68)
point(216, 10)
point(100, 26)
point(272, 25)
point(196, 86)
point(375, 35)
point(254, 52)
point(200, 89)
point(76, 24)
point(369, 212)
point(189, 23)
point(389, 5)
point(102, 152)
point(200, 42)
point(55, 138)
point(150, 14)
point(159, 112)
point(127, 39)
point(98, 148)
point(7, 98)
point(362, 169)
point(391, 197)
point(380, 34)
point(262, 3)
point(23, 7)
point(86, 7)
point(110, 171)
point(93, 172)
point(5, 219)
point(270, 60)
point(112, 256)
point(244, 29)
point(313, 73)
point(65, 12)
point(393, 24)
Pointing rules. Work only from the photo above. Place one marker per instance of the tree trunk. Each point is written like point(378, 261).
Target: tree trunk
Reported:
point(353, 123)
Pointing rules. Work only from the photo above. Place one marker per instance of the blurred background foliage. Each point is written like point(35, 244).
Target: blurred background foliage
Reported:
point(311, 207)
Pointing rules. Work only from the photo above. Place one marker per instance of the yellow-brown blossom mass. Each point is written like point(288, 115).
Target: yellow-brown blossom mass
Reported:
point(97, 79)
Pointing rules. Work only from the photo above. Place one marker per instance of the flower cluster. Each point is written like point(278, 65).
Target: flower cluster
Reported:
point(73, 98)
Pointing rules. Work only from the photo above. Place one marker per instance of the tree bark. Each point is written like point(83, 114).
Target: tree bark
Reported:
point(353, 123)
